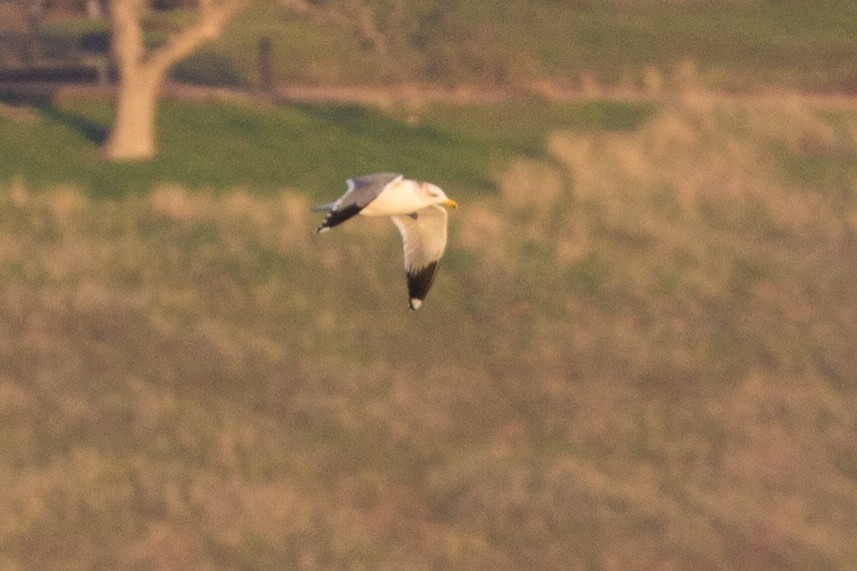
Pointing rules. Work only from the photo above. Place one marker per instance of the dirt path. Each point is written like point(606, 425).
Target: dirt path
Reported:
point(415, 95)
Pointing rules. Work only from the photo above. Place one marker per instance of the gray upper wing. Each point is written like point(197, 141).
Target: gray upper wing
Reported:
point(361, 191)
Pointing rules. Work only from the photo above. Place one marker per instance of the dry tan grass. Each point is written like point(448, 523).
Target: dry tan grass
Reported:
point(639, 355)
point(18, 113)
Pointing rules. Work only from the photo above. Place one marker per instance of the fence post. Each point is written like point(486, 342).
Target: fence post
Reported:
point(266, 67)
point(34, 24)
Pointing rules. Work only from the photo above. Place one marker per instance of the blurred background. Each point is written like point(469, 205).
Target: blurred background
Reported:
point(639, 352)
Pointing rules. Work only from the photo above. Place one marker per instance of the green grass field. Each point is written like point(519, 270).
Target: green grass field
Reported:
point(734, 45)
point(740, 45)
point(312, 147)
point(638, 353)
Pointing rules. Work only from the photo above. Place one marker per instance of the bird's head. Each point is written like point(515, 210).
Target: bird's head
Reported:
point(436, 196)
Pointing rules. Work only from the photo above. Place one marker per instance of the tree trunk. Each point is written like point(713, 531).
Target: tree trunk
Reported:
point(141, 73)
point(132, 137)
point(133, 134)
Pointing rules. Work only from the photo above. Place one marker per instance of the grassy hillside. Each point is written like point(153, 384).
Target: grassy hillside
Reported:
point(638, 354)
point(732, 44)
point(314, 147)
point(725, 44)
point(800, 44)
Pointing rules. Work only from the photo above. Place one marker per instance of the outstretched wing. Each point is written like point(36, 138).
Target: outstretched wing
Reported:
point(424, 238)
point(361, 191)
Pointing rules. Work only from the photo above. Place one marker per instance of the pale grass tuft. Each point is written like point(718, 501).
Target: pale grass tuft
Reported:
point(575, 153)
point(240, 204)
point(702, 148)
point(685, 77)
point(589, 85)
point(292, 220)
point(482, 229)
point(653, 81)
point(18, 193)
point(283, 219)
point(530, 186)
point(851, 214)
point(174, 202)
point(165, 546)
point(19, 113)
point(154, 403)
point(224, 344)
point(91, 295)
point(14, 395)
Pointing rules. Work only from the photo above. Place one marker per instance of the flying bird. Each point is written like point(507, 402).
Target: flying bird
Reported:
point(417, 209)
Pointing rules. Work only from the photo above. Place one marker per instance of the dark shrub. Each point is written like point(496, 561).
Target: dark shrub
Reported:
point(208, 68)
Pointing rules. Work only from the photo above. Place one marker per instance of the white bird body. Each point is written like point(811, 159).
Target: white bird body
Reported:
point(416, 207)
point(398, 198)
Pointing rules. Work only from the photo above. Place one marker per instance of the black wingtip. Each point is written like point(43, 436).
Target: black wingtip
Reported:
point(419, 284)
point(337, 217)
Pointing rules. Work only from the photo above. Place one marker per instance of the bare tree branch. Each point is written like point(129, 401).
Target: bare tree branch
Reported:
point(212, 18)
point(351, 13)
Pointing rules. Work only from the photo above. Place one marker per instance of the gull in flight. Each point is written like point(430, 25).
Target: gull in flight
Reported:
point(416, 208)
